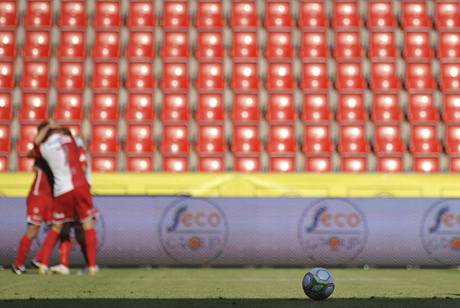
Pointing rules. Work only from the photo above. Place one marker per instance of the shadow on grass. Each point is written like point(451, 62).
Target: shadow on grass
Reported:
point(234, 303)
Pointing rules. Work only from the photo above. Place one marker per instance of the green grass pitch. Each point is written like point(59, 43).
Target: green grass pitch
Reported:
point(230, 287)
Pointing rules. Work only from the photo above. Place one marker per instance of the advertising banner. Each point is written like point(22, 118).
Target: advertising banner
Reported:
point(185, 231)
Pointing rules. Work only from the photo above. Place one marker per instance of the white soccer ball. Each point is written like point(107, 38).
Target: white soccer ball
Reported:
point(318, 284)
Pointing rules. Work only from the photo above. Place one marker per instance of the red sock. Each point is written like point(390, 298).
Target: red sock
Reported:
point(91, 244)
point(23, 250)
point(48, 246)
point(64, 252)
point(39, 255)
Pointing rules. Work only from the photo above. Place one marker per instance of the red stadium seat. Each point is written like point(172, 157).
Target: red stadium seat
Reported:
point(27, 133)
point(25, 164)
point(139, 139)
point(280, 107)
point(313, 15)
point(424, 139)
point(69, 107)
point(388, 140)
point(422, 108)
point(210, 107)
point(141, 15)
point(211, 164)
point(35, 76)
point(4, 138)
point(73, 14)
point(175, 164)
point(107, 14)
point(451, 108)
point(244, 15)
point(453, 140)
point(7, 44)
point(278, 15)
point(6, 106)
point(282, 139)
point(175, 139)
point(426, 164)
point(210, 76)
point(71, 76)
point(382, 45)
point(282, 164)
point(353, 164)
point(414, 14)
point(346, 15)
point(175, 77)
point(140, 107)
point(6, 75)
point(447, 15)
point(317, 139)
point(279, 45)
point(175, 107)
point(347, 45)
point(318, 164)
point(351, 108)
point(140, 76)
point(386, 108)
point(314, 45)
point(352, 139)
point(245, 45)
point(280, 76)
point(8, 14)
point(315, 76)
point(454, 164)
point(104, 108)
point(245, 107)
point(449, 46)
point(175, 45)
point(106, 45)
point(419, 76)
point(34, 107)
point(4, 163)
point(245, 76)
point(104, 163)
point(104, 139)
point(106, 76)
point(139, 163)
point(211, 139)
point(384, 76)
point(37, 44)
point(390, 164)
point(209, 15)
point(141, 45)
point(450, 77)
point(175, 15)
point(210, 46)
point(417, 46)
point(350, 77)
point(245, 139)
point(72, 45)
point(380, 15)
point(38, 14)
point(316, 107)
point(247, 163)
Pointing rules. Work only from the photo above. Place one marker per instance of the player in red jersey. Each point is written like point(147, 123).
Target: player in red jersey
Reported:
point(71, 190)
point(39, 207)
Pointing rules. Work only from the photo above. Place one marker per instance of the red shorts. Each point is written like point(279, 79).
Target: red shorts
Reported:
point(75, 203)
point(39, 209)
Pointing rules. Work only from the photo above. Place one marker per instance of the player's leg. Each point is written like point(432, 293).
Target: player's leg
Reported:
point(80, 237)
point(24, 246)
point(86, 213)
point(65, 247)
point(48, 246)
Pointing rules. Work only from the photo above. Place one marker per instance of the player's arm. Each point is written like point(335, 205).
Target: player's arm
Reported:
point(41, 135)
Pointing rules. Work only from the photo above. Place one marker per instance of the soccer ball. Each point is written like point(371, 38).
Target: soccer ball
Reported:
point(318, 284)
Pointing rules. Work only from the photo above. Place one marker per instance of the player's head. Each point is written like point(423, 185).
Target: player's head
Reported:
point(42, 125)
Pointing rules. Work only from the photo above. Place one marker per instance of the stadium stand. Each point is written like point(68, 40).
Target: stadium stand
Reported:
point(211, 86)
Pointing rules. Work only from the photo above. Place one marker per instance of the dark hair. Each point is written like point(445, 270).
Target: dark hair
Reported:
point(42, 125)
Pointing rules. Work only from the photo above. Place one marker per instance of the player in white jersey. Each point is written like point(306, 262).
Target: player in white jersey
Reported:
point(72, 194)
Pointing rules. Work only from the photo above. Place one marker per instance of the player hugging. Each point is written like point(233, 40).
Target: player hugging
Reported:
point(60, 197)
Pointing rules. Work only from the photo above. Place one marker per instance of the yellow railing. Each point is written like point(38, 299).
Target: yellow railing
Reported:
point(261, 184)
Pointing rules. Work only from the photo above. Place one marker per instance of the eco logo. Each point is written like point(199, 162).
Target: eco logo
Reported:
point(332, 231)
point(440, 232)
point(193, 231)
